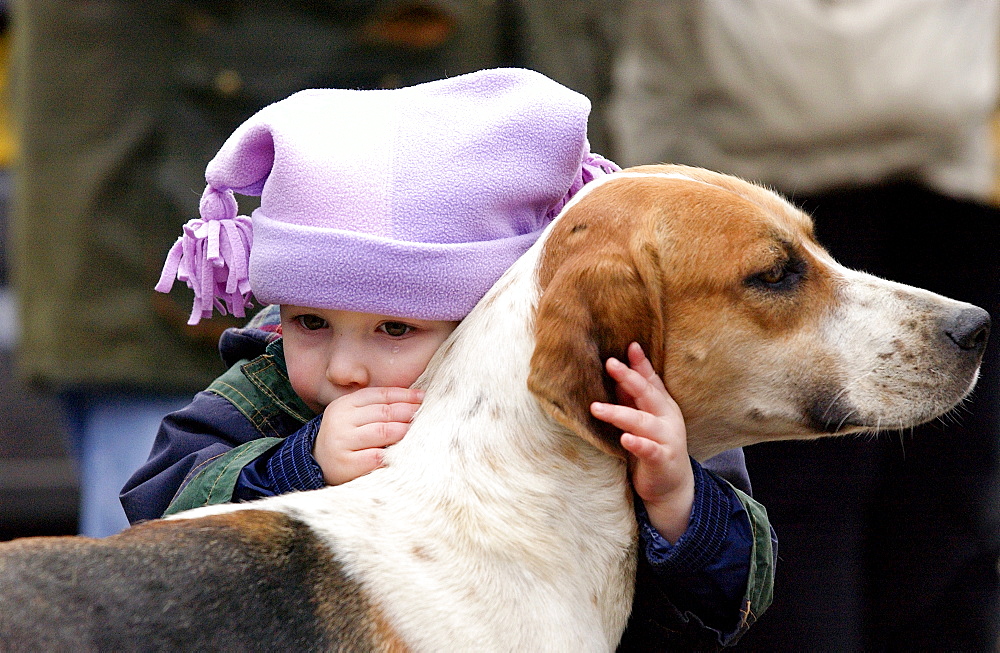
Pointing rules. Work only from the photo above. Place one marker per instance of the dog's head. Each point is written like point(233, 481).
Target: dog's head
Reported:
point(757, 332)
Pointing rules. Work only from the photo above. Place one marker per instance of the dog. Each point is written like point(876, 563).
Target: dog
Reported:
point(503, 521)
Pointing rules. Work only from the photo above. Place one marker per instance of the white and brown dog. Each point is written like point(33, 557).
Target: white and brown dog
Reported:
point(503, 521)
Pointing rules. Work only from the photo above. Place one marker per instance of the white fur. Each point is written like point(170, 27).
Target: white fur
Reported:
point(531, 552)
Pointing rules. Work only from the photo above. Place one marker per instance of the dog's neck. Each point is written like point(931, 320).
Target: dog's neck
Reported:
point(487, 507)
point(508, 485)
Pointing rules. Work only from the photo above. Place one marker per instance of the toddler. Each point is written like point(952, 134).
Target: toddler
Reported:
point(384, 217)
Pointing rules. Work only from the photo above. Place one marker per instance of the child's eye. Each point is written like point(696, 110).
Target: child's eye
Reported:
point(395, 329)
point(311, 322)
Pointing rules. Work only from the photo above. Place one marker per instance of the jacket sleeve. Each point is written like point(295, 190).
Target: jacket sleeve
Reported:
point(188, 440)
point(704, 592)
point(265, 467)
point(289, 467)
point(263, 424)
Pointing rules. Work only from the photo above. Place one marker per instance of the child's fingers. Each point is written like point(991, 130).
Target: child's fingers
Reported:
point(359, 463)
point(642, 448)
point(360, 452)
point(646, 394)
point(628, 419)
point(383, 395)
point(380, 413)
point(643, 386)
point(377, 435)
point(638, 362)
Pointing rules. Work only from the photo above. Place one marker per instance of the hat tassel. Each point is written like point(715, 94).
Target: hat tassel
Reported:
point(212, 257)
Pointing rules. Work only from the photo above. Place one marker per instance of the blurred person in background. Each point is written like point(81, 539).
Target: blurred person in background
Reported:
point(120, 105)
point(874, 116)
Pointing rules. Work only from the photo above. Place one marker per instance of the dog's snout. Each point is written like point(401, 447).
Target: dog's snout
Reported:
point(969, 329)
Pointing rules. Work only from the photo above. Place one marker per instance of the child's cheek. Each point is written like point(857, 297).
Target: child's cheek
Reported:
point(304, 380)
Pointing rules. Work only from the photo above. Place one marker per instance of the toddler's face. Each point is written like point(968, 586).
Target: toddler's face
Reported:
point(332, 353)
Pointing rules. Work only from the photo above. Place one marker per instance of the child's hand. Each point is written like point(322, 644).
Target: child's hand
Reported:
point(358, 426)
point(655, 436)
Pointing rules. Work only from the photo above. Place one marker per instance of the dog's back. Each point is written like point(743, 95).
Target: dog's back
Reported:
point(272, 586)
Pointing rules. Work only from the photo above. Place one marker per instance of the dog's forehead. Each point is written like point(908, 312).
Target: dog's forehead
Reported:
point(690, 203)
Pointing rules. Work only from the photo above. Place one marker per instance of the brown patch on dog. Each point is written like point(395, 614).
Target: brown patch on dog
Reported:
point(386, 639)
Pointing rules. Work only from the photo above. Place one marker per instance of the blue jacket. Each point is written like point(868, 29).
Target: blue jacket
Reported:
point(249, 436)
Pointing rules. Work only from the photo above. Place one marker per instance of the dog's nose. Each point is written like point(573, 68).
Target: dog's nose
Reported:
point(970, 328)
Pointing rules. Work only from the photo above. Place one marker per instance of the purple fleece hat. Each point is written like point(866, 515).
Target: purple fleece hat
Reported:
point(408, 202)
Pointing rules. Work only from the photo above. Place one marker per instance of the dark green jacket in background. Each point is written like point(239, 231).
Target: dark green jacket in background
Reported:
point(121, 104)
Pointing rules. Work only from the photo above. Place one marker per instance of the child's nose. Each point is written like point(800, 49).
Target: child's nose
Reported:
point(346, 369)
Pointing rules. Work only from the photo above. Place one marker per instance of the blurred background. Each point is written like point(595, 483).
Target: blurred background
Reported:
point(878, 116)
point(39, 488)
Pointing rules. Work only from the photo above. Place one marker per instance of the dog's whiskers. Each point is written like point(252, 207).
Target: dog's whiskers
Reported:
point(846, 417)
point(833, 402)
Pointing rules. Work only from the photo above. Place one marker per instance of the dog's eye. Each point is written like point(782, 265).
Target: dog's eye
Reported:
point(779, 277)
point(773, 276)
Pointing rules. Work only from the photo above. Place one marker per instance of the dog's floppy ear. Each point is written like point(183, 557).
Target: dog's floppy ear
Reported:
point(594, 304)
